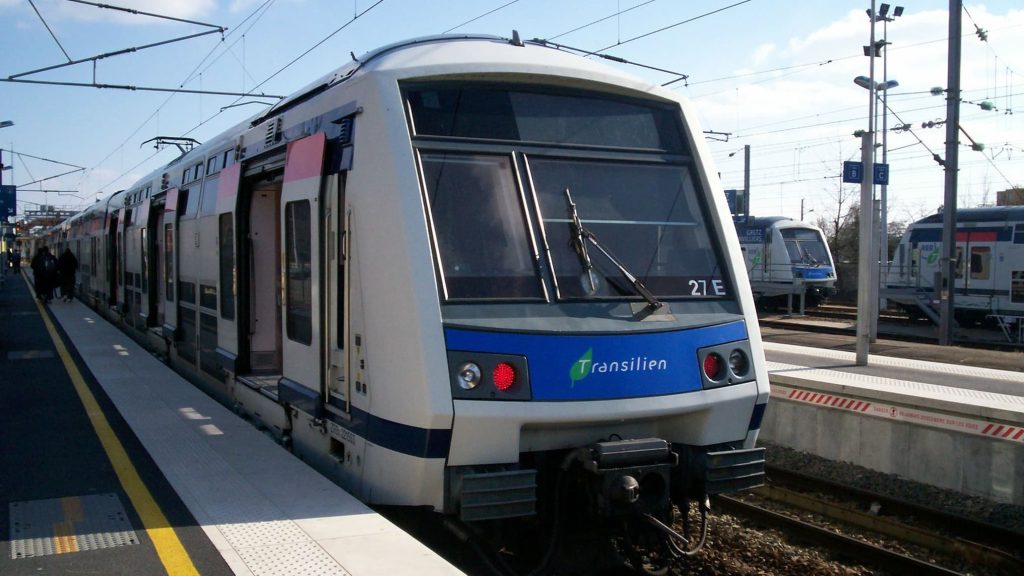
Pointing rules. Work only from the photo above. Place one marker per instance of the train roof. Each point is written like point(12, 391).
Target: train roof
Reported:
point(987, 214)
point(431, 55)
point(761, 221)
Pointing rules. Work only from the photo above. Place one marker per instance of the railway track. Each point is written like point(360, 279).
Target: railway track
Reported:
point(891, 325)
point(963, 541)
point(814, 534)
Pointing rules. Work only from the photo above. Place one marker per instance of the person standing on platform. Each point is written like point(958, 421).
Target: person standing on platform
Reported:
point(67, 267)
point(44, 272)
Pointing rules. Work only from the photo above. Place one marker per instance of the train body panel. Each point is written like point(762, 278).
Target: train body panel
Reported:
point(990, 263)
point(423, 272)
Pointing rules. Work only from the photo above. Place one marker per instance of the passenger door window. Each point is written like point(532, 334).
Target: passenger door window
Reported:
point(298, 273)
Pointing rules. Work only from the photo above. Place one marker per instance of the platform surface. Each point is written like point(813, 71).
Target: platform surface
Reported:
point(237, 501)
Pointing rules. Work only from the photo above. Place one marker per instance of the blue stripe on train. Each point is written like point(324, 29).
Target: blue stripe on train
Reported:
point(812, 273)
point(566, 367)
point(403, 438)
point(551, 359)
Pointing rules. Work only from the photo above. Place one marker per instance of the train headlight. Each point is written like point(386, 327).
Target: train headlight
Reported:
point(738, 363)
point(504, 376)
point(469, 376)
point(713, 366)
point(726, 364)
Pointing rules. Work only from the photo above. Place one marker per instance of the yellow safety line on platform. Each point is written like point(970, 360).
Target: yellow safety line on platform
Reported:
point(168, 547)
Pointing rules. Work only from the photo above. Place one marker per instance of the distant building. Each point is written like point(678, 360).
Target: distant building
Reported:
point(1011, 197)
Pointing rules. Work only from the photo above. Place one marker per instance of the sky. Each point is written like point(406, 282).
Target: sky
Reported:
point(777, 76)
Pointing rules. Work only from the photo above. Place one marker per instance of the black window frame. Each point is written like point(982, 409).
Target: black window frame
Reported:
point(681, 155)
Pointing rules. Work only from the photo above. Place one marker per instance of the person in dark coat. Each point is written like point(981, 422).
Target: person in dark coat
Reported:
point(44, 274)
point(67, 267)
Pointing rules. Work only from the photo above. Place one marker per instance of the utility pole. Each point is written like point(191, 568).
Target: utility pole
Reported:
point(746, 178)
point(948, 262)
point(865, 301)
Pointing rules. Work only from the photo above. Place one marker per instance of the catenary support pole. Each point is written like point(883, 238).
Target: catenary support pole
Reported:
point(948, 260)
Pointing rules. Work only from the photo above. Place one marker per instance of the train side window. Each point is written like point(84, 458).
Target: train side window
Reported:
point(227, 267)
point(144, 243)
point(188, 202)
point(208, 296)
point(169, 262)
point(1017, 286)
point(981, 260)
point(299, 269)
point(960, 262)
point(209, 202)
point(187, 292)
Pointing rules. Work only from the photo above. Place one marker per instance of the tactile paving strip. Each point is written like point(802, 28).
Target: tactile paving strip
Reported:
point(71, 524)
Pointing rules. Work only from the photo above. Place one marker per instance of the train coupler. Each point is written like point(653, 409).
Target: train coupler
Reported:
point(629, 476)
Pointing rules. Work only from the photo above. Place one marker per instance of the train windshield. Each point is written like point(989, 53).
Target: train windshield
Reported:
point(646, 214)
point(496, 161)
point(805, 246)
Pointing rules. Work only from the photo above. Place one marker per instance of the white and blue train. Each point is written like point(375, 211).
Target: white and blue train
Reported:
point(786, 257)
point(989, 255)
point(464, 273)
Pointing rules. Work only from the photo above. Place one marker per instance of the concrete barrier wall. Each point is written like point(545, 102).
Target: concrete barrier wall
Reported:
point(976, 450)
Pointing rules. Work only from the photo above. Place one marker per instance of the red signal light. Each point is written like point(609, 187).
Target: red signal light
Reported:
point(713, 366)
point(504, 376)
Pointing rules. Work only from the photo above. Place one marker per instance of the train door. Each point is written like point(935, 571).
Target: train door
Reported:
point(336, 315)
point(113, 257)
point(227, 288)
point(301, 215)
point(768, 258)
point(154, 269)
point(259, 276)
point(168, 264)
point(144, 284)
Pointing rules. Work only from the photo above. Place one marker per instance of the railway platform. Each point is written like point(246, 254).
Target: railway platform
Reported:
point(954, 426)
point(113, 464)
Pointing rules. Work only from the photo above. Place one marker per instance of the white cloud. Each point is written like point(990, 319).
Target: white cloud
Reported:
point(763, 53)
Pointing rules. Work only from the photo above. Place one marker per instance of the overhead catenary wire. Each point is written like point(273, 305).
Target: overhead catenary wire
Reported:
point(599, 20)
point(670, 26)
point(50, 30)
point(188, 78)
point(267, 79)
point(488, 13)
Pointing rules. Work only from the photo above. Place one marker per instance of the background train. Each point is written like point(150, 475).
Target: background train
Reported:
point(989, 254)
point(478, 275)
point(786, 257)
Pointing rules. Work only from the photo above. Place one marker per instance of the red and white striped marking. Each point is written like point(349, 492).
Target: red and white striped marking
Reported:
point(827, 400)
point(995, 430)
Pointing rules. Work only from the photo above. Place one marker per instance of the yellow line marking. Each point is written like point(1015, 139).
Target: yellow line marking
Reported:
point(168, 547)
point(64, 538)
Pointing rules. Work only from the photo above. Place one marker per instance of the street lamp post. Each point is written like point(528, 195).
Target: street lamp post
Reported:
point(883, 220)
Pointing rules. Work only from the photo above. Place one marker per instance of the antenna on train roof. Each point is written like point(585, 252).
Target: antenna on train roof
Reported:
point(185, 145)
point(516, 40)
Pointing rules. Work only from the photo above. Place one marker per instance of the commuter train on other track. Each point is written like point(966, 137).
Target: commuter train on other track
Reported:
point(479, 275)
point(989, 281)
point(786, 257)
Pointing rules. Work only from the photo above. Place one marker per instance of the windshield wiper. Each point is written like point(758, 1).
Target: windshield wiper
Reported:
point(580, 237)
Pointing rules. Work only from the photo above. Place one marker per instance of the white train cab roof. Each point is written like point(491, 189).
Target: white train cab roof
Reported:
point(463, 55)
